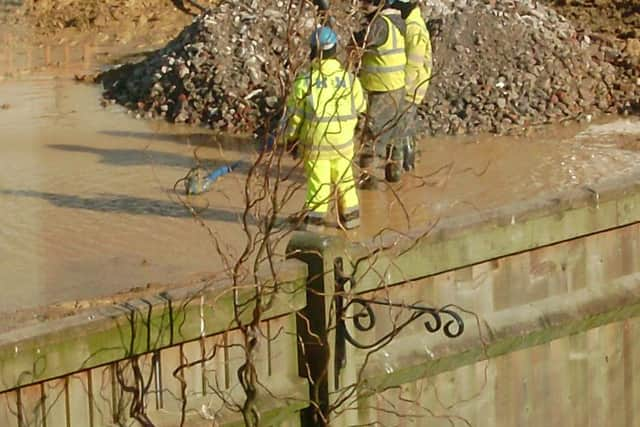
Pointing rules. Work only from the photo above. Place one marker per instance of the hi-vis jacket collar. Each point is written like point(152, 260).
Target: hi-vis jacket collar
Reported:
point(389, 12)
point(326, 66)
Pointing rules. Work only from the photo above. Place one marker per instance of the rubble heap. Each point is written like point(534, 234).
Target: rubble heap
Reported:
point(222, 70)
point(499, 66)
point(503, 66)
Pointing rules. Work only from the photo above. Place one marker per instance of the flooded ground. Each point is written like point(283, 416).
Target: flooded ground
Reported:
point(470, 174)
point(86, 195)
point(89, 208)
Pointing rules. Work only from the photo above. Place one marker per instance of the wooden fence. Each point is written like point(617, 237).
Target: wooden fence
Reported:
point(519, 316)
point(149, 361)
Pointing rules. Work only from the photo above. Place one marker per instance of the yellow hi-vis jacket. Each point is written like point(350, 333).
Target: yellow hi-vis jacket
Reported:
point(383, 67)
point(323, 110)
point(419, 59)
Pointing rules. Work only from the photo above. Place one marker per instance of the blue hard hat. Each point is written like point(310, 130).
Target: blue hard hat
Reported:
point(324, 38)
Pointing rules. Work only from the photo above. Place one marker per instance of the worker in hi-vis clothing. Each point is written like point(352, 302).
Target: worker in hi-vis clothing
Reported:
point(322, 114)
point(418, 72)
point(382, 73)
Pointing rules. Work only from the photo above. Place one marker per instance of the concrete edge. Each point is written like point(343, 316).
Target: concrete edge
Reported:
point(472, 239)
point(543, 206)
point(509, 330)
point(41, 352)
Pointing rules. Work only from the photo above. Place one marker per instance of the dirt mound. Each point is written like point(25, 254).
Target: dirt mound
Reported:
point(222, 70)
point(505, 66)
point(49, 16)
point(615, 26)
point(619, 18)
point(500, 66)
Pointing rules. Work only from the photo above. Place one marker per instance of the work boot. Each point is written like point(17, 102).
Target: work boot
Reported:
point(366, 181)
point(350, 220)
point(409, 155)
point(392, 170)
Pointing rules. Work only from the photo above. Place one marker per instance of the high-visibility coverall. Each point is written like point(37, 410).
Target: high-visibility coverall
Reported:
point(418, 75)
point(419, 59)
point(383, 63)
point(323, 113)
point(383, 75)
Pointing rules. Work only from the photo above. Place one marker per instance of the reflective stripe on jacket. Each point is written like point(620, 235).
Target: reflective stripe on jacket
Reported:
point(323, 110)
point(419, 60)
point(383, 67)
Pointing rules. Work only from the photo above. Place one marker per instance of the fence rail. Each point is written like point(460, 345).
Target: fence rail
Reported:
point(150, 361)
point(521, 277)
point(545, 296)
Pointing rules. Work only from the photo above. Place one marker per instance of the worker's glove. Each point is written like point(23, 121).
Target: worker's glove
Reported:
point(293, 149)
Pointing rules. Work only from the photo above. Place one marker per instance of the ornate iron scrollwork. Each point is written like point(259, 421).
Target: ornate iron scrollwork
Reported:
point(364, 318)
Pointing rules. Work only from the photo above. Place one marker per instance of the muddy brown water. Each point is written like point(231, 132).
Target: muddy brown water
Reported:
point(87, 198)
point(89, 209)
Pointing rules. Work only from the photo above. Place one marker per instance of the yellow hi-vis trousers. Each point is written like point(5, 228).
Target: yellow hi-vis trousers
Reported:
point(321, 174)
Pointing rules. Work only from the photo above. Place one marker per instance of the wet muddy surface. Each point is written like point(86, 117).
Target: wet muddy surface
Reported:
point(87, 198)
point(466, 175)
point(89, 208)
point(87, 192)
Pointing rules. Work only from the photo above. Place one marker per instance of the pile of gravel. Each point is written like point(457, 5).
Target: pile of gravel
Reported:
point(223, 70)
point(503, 66)
point(499, 66)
